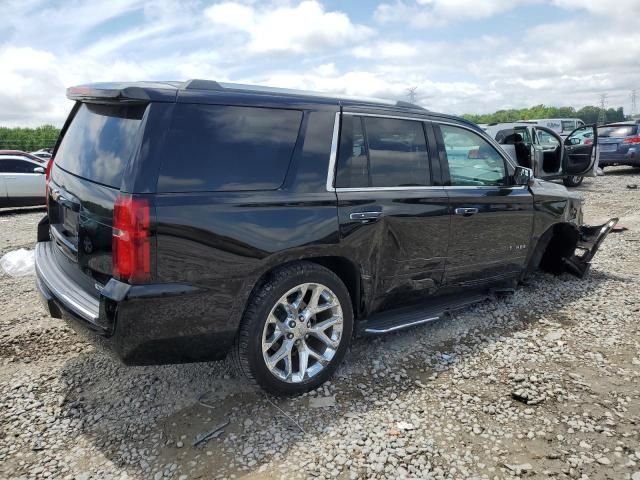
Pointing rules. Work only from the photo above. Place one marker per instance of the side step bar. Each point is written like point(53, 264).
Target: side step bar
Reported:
point(407, 317)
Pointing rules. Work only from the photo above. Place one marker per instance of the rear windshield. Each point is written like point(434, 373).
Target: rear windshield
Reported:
point(225, 148)
point(99, 142)
point(618, 131)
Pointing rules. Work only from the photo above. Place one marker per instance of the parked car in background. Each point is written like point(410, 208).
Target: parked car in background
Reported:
point(619, 144)
point(562, 126)
point(542, 148)
point(22, 181)
point(191, 220)
point(25, 155)
point(44, 154)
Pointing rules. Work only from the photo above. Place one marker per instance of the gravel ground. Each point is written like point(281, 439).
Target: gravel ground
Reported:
point(545, 382)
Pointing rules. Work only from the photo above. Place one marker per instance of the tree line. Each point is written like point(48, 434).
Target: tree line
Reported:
point(31, 139)
point(588, 114)
point(28, 139)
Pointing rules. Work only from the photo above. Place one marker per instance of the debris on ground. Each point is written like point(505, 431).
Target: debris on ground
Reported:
point(18, 263)
point(214, 433)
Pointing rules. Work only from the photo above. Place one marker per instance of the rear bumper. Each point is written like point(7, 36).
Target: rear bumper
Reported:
point(591, 237)
point(140, 324)
point(631, 158)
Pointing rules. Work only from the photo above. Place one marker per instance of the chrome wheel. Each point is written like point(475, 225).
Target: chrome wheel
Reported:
point(302, 332)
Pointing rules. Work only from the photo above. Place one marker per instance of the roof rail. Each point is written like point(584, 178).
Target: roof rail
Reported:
point(402, 103)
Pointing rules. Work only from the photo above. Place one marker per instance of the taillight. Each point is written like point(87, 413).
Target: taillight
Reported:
point(130, 241)
point(632, 140)
point(47, 177)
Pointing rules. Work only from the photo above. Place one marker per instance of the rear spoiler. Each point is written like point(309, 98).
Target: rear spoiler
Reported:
point(133, 92)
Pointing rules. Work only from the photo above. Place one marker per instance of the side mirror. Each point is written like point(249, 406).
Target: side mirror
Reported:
point(573, 141)
point(523, 176)
point(38, 170)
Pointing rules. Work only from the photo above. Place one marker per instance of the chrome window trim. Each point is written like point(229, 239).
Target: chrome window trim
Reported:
point(383, 189)
point(395, 117)
point(334, 155)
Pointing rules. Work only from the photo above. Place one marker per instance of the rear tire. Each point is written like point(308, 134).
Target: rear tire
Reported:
point(295, 330)
point(572, 181)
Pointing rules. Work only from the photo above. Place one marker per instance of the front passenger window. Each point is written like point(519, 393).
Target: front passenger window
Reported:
point(472, 160)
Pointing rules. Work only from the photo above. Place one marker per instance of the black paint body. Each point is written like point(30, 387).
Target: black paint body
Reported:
point(211, 249)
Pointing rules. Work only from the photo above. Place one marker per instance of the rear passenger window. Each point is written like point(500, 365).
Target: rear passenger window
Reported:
point(225, 148)
point(382, 152)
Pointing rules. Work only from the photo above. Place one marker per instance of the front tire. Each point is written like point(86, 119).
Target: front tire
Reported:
point(296, 329)
point(572, 181)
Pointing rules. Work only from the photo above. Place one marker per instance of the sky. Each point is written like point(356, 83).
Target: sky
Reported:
point(462, 56)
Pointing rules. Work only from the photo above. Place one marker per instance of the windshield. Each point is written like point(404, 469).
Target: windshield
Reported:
point(617, 131)
point(99, 142)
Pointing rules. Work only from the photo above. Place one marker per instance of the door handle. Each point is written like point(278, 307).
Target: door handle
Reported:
point(365, 216)
point(466, 212)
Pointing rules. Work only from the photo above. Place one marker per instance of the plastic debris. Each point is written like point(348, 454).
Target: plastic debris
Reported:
point(18, 263)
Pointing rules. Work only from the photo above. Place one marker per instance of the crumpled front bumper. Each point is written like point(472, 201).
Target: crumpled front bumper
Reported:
point(589, 241)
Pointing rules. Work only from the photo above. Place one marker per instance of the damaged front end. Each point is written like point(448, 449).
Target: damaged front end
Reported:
point(589, 240)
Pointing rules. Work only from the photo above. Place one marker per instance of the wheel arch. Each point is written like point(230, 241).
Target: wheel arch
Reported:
point(556, 243)
point(347, 271)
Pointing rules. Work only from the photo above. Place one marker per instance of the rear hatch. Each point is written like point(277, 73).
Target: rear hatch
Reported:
point(84, 185)
point(616, 138)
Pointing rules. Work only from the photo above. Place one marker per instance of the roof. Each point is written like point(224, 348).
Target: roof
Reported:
point(19, 153)
point(170, 90)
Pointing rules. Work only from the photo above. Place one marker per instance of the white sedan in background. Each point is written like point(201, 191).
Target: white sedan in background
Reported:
point(22, 182)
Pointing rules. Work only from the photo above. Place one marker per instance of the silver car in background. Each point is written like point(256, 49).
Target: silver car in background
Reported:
point(22, 181)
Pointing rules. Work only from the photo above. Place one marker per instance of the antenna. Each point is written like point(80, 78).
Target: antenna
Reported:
point(602, 115)
point(411, 93)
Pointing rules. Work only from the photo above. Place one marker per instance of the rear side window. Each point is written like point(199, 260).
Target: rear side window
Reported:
point(618, 131)
point(16, 166)
point(382, 152)
point(227, 148)
point(100, 141)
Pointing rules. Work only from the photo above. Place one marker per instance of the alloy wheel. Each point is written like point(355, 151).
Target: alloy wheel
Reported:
point(302, 333)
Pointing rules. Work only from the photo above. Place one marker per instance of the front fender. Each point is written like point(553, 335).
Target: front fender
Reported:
point(589, 241)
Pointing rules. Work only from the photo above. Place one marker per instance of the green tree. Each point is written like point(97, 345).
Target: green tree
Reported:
point(588, 114)
point(28, 139)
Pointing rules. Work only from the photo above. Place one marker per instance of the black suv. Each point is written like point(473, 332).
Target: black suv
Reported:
point(190, 220)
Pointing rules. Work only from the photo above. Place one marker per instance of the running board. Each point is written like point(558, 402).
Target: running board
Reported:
point(407, 317)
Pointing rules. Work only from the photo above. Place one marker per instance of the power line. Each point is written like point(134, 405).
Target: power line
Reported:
point(411, 93)
point(634, 97)
point(602, 115)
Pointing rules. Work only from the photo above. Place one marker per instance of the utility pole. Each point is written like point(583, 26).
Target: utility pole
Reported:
point(602, 116)
point(634, 99)
point(411, 93)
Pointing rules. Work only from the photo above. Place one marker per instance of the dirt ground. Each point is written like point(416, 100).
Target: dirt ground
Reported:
point(542, 383)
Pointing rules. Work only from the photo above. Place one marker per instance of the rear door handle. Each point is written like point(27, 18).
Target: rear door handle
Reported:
point(365, 216)
point(466, 212)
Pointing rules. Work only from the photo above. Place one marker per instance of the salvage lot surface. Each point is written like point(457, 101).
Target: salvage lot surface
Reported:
point(545, 382)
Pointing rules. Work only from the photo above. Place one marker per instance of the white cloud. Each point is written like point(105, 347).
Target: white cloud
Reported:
point(306, 27)
point(310, 46)
point(424, 13)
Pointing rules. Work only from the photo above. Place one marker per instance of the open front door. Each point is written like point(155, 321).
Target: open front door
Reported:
point(547, 153)
point(581, 152)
